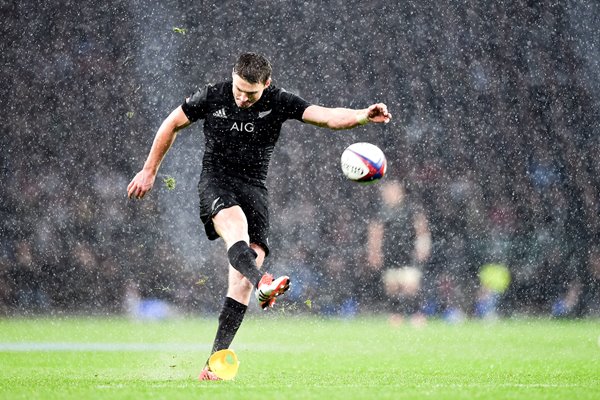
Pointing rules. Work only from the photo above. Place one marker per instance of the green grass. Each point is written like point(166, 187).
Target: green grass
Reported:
point(301, 358)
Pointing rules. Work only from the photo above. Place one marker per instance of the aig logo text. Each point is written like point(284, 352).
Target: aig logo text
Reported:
point(242, 127)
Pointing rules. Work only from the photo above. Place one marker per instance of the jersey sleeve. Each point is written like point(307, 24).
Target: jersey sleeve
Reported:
point(292, 106)
point(195, 107)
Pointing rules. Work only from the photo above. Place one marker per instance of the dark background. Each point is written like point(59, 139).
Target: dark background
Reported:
point(495, 131)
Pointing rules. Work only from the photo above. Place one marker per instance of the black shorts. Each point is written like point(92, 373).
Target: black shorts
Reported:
point(218, 192)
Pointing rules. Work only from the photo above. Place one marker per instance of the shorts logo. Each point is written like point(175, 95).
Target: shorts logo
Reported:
point(242, 127)
point(214, 207)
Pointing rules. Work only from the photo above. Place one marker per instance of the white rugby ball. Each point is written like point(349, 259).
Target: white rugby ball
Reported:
point(363, 162)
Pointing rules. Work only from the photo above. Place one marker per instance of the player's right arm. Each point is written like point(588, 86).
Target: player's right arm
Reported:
point(143, 182)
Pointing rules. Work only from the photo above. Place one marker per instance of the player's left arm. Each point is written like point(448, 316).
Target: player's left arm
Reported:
point(345, 118)
point(374, 245)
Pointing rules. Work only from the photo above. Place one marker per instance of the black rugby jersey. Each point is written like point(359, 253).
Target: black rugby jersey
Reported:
point(239, 142)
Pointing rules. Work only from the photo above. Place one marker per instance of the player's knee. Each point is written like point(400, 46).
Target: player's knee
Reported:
point(260, 254)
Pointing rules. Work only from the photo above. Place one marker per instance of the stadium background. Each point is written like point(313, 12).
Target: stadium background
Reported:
point(495, 130)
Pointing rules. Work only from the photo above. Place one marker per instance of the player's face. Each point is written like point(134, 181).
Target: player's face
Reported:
point(246, 93)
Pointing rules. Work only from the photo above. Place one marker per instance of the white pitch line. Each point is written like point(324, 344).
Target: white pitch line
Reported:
point(102, 347)
point(113, 347)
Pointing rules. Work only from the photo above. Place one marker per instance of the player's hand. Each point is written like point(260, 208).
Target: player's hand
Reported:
point(379, 113)
point(141, 184)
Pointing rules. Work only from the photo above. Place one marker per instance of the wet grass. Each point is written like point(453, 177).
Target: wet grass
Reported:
point(300, 358)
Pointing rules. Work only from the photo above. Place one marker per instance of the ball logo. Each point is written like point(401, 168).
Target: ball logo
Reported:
point(363, 162)
point(242, 127)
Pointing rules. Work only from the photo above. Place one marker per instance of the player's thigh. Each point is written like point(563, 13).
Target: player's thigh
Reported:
point(231, 224)
point(215, 195)
point(256, 208)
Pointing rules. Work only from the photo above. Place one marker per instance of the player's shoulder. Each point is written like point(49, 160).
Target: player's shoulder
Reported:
point(276, 90)
point(277, 94)
point(219, 89)
point(210, 92)
point(271, 91)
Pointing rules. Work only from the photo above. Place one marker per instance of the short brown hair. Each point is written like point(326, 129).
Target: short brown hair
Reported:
point(253, 68)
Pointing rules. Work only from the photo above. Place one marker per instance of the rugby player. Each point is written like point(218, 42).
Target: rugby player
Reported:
point(242, 122)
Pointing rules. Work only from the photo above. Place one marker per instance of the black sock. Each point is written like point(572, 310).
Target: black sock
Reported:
point(230, 320)
point(243, 258)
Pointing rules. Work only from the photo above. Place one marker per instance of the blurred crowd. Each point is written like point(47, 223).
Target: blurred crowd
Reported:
point(491, 206)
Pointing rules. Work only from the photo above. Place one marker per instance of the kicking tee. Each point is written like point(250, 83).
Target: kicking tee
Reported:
point(239, 142)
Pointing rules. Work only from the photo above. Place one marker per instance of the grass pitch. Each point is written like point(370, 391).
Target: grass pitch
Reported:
point(291, 357)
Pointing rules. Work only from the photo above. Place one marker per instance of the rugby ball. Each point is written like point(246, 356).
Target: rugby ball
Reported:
point(363, 162)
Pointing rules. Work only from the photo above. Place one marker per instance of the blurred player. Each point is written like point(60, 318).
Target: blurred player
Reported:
point(399, 243)
point(242, 122)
